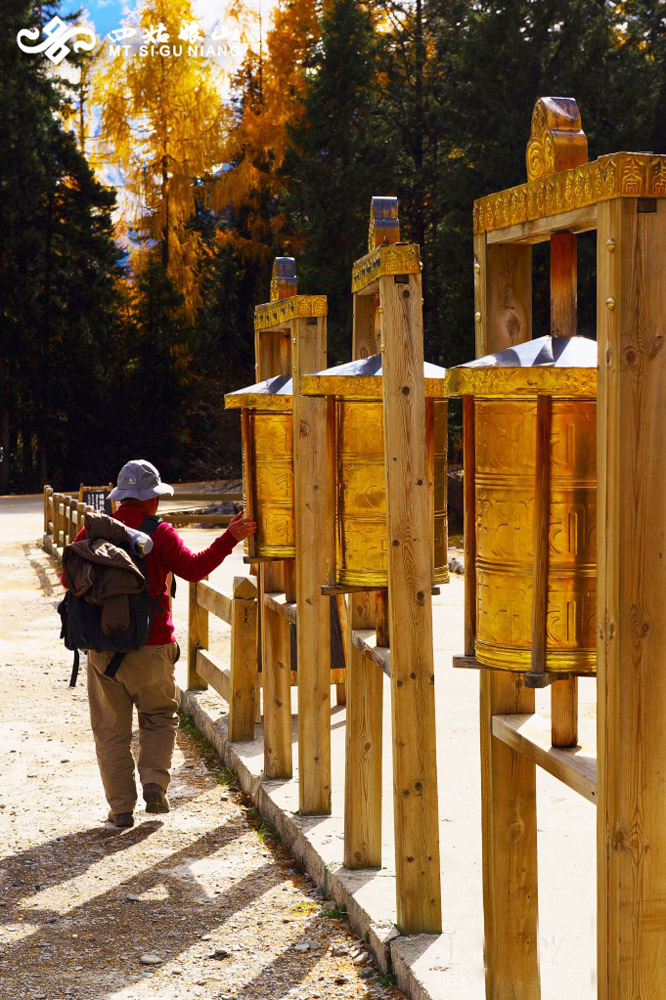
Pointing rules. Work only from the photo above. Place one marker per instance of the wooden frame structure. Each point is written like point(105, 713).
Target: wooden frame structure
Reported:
point(290, 340)
point(390, 630)
point(623, 197)
point(237, 684)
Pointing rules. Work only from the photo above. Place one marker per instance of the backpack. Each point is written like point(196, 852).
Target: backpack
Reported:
point(82, 616)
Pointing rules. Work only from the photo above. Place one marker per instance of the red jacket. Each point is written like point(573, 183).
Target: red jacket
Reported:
point(171, 555)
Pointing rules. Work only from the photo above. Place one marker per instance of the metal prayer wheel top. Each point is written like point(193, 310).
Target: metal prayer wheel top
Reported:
point(505, 387)
point(361, 533)
point(268, 463)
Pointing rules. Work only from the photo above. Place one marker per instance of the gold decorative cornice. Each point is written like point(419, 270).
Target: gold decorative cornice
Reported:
point(617, 175)
point(396, 258)
point(258, 401)
point(504, 382)
point(361, 387)
point(281, 311)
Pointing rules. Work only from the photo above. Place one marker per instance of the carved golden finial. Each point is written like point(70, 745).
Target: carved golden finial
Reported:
point(557, 141)
point(283, 278)
point(384, 222)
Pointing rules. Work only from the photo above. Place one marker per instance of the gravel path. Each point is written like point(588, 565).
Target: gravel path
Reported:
point(205, 892)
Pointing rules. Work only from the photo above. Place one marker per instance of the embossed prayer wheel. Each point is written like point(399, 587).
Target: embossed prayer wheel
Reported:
point(268, 463)
point(361, 533)
point(505, 388)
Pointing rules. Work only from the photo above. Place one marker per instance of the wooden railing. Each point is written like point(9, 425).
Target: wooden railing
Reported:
point(180, 517)
point(238, 683)
point(63, 519)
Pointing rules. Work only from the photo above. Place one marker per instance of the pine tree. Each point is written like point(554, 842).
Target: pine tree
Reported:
point(341, 153)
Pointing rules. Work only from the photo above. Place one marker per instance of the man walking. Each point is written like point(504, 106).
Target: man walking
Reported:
point(145, 677)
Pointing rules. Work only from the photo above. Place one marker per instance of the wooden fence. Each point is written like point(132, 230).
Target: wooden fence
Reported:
point(63, 519)
point(64, 514)
point(238, 683)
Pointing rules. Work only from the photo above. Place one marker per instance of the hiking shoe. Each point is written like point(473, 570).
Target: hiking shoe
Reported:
point(121, 820)
point(155, 798)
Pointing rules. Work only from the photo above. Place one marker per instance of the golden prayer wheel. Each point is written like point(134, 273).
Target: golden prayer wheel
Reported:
point(361, 532)
point(268, 463)
point(505, 387)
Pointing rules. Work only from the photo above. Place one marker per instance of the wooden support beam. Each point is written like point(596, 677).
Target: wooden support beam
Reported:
point(541, 536)
point(469, 523)
point(276, 669)
point(213, 601)
point(410, 608)
point(509, 839)
point(243, 674)
point(508, 779)
point(631, 311)
point(197, 638)
point(314, 503)
point(212, 671)
point(563, 323)
point(530, 736)
point(363, 756)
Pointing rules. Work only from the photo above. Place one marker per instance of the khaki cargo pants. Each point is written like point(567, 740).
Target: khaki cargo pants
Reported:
point(145, 678)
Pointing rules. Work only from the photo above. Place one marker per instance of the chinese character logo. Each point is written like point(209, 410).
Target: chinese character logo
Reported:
point(57, 34)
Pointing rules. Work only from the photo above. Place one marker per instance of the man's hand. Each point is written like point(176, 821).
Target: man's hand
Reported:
point(241, 526)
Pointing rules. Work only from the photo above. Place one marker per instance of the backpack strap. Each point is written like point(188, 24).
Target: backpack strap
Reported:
point(114, 664)
point(150, 524)
point(75, 669)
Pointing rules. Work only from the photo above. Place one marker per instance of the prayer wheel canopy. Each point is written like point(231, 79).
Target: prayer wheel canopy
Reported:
point(361, 532)
point(505, 387)
point(268, 455)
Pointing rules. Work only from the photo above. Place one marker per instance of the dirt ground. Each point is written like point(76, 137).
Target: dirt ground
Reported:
point(205, 892)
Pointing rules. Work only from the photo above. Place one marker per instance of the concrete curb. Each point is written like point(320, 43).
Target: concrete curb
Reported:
point(277, 802)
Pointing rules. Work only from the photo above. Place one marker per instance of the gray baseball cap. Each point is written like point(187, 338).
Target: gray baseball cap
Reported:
point(139, 480)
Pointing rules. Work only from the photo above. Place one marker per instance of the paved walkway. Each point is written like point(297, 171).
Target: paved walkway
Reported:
point(449, 967)
point(201, 903)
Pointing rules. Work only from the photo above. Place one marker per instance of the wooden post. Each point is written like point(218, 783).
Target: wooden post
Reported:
point(503, 295)
point(410, 608)
point(564, 323)
point(509, 831)
point(197, 638)
point(469, 524)
point(47, 541)
point(276, 668)
point(363, 755)
point(314, 502)
point(273, 357)
point(541, 525)
point(243, 659)
point(631, 311)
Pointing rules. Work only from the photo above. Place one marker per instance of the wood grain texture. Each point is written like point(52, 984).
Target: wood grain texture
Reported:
point(508, 275)
point(509, 835)
point(276, 671)
point(530, 735)
point(214, 673)
point(243, 673)
point(563, 323)
point(410, 609)
point(563, 285)
point(364, 337)
point(314, 501)
point(363, 755)
point(632, 610)
point(212, 600)
point(508, 779)
point(197, 637)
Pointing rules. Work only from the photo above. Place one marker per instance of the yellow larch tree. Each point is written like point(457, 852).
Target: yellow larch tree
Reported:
point(163, 127)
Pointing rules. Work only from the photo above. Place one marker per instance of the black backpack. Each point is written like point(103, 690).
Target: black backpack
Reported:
point(82, 619)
